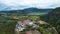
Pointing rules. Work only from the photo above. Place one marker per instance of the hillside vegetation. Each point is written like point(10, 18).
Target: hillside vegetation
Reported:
point(53, 18)
point(8, 23)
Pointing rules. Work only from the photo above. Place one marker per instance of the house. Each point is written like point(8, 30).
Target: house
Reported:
point(24, 25)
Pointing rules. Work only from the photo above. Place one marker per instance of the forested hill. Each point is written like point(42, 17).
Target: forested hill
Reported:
point(27, 10)
point(37, 10)
point(53, 18)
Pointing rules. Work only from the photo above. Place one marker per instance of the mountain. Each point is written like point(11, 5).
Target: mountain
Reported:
point(37, 10)
point(53, 18)
point(28, 11)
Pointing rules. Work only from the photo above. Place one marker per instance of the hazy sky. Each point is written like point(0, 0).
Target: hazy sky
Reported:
point(21, 4)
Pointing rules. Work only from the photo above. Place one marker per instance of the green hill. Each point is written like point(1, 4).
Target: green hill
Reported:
point(53, 18)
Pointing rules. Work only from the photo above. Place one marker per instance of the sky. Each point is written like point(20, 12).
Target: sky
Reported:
point(22, 4)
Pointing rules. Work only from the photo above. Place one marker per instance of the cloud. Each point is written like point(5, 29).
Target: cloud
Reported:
point(15, 4)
